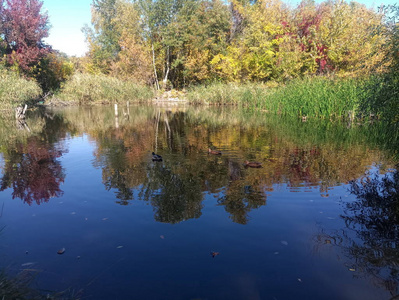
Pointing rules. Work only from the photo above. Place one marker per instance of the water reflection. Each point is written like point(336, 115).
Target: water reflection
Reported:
point(188, 183)
point(33, 171)
point(174, 196)
point(371, 237)
point(298, 154)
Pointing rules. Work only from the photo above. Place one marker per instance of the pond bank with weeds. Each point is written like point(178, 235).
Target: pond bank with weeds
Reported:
point(319, 97)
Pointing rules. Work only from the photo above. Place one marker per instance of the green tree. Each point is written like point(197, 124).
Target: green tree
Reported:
point(103, 38)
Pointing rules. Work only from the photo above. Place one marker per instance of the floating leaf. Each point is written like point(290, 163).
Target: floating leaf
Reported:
point(214, 253)
point(352, 270)
point(61, 251)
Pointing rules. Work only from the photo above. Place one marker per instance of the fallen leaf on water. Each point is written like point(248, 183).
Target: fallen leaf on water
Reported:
point(214, 253)
point(352, 270)
point(285, 243)
point(61, 251)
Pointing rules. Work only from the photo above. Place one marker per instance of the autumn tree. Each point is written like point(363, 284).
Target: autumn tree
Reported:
point(208, 34)
point(252, 54)
point(134, 59)
point(23, 27)
point(103, 38)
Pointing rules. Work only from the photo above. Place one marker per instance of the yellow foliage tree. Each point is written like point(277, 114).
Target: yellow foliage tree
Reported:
point(134, 60)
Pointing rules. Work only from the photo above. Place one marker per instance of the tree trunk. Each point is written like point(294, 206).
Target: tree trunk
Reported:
point(155, 69)
point(165, 80)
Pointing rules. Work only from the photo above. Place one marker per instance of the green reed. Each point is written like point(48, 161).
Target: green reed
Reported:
point(90, 89)
point(15, 90)
point(319, 97)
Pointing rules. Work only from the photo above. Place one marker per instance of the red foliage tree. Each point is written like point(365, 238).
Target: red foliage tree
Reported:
point(23, 27)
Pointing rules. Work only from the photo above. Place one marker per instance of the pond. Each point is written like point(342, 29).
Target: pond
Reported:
point(87, 211)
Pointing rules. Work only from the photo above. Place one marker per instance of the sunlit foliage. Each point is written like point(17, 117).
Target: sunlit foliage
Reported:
point(23, 27)
point(182, 42)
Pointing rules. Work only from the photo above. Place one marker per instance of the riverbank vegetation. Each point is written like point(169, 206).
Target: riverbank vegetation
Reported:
point(331, 59)
point(321, 97)
point(87, 89)
point(15, 89)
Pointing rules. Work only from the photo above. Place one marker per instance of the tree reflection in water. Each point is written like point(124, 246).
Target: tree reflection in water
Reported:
point(31, 167)
point(174, 197)
point(33, 171)
point(371, 236)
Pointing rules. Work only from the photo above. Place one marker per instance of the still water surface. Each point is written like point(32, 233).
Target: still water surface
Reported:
point(196, 225)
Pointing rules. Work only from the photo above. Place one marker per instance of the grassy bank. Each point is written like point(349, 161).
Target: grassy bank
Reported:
point(314, 97)
point(15, 90)
point(90, 89)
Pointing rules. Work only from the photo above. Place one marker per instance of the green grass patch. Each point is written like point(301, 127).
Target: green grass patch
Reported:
point(90, 89)
point(15, 90)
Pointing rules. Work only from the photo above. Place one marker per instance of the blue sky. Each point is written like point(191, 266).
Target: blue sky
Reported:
point(67, 17)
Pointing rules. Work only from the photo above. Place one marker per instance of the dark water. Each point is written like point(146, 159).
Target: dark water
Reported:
point(313, 223)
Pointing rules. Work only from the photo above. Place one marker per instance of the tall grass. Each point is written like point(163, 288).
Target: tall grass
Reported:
point(90, 89)
point(382, 96)
point(318, 97)
point(15, 90)
point(230, 93)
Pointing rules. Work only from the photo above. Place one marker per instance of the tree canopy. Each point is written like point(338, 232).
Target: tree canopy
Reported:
point(180, 42)
point(23, 28)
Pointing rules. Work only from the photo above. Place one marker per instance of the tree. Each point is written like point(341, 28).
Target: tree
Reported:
point(23, 27)
point(253, 53)
point(104, 38)
point(134, 59)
